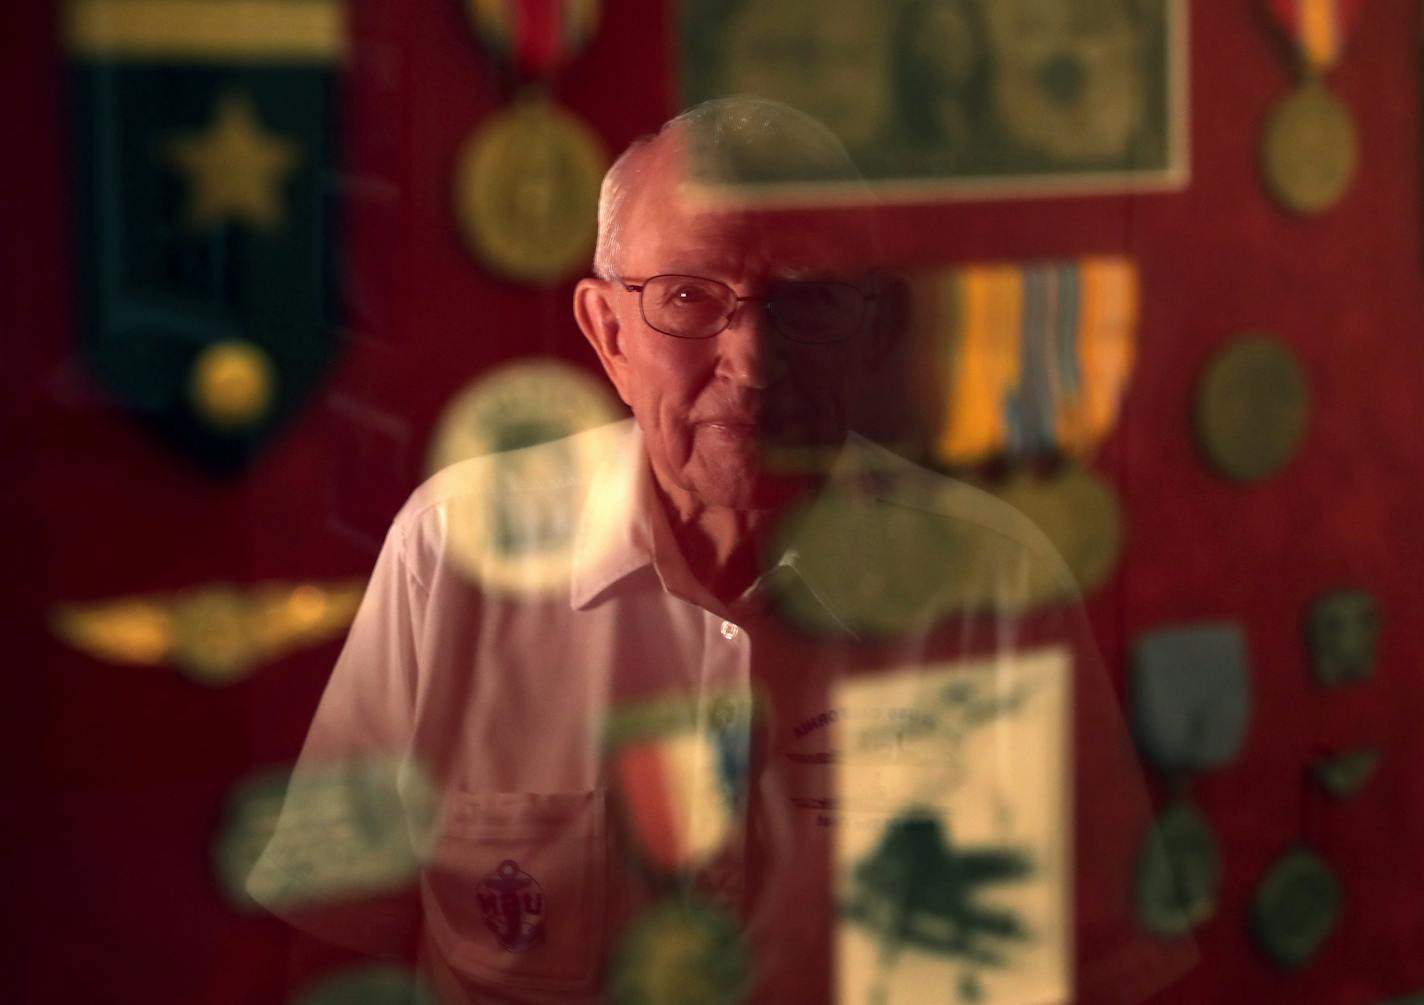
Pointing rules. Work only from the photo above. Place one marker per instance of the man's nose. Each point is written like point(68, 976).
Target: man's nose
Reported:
point(750, 352)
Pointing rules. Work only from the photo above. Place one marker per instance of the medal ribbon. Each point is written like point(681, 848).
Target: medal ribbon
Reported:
point(1038, 355)
point(1319, 28)
point(534, 38)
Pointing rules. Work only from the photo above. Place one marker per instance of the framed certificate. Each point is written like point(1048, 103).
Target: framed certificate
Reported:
point(957, 98)
point(953, 856)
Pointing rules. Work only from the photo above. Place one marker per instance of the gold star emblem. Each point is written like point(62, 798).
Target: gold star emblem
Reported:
point(235, 169)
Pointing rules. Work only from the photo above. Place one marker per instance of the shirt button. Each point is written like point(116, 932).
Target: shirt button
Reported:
point(729, 630)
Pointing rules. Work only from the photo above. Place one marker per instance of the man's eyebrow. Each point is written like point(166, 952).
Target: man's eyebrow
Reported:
point(705, 267)
point(850, 277)
point(804, 275)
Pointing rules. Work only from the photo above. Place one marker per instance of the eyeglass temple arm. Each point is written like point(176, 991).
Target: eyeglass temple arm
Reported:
point(639, 287)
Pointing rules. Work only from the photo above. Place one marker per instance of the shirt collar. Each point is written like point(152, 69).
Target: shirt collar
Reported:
point(614, 538)
point(616, 534)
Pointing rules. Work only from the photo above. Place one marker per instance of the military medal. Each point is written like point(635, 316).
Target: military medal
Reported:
point(1190, 704)
point(527, 191)
point(231, 384)
point(1347, 773)
point(1252, 408)
point(523, 542)
point(519, 405)
point(681, 768)
point(215, 634)
point(684, 951)
point(1178, 872)
point(1191, 697)
point(204, 142)
point(1343, 631)
point(1078, 510)
point(871, 570)
point(1309, 148)
point(1295, 908)
point(1036, 355)
point(527, 180)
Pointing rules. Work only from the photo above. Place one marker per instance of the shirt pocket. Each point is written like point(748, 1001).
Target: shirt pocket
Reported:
point(515, 889)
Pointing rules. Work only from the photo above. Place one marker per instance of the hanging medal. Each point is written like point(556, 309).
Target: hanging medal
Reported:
point(527, 178)
point(679, 765)
point(1191, 704)
point(680, 770)
point(1309, 148)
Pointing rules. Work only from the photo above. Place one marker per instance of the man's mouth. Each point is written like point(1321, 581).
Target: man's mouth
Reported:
point(733, 425)
point(739, 425)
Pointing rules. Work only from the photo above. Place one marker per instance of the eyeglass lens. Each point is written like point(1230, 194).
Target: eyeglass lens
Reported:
point(694, 307)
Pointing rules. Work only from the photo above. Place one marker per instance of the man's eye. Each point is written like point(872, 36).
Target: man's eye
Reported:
point(689, 295)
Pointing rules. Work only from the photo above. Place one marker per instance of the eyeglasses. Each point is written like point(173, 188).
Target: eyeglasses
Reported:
point(811, 311)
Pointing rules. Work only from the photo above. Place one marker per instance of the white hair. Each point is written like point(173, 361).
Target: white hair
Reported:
point(727, 138)
point(612, 202)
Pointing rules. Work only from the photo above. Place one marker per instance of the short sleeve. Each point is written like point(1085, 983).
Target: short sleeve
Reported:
point(346, 848)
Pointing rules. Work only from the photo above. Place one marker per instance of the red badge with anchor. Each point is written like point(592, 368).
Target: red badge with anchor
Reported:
point(512, 903)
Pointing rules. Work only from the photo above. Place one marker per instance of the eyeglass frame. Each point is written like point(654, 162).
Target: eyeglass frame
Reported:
point(638, 288)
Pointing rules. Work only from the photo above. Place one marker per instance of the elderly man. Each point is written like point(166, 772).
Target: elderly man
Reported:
point(781, 718)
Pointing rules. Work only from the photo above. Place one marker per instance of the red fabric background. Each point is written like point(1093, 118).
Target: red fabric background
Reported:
point(116, 776)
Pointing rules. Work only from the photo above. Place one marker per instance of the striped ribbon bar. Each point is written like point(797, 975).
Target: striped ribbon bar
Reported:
point(535, 38)
point(1035, 356)
point(1318, 28)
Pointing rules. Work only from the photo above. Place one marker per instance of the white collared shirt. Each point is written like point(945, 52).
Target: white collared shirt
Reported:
point(519, 628)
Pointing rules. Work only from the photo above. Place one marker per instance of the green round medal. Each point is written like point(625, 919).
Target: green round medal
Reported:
point(879, 570)
point(1251, 408)
point(681, 952)
point(1345, 774)
point(1295, 908)
point(1078, 511)
point(523, 543)
point(1178, 872)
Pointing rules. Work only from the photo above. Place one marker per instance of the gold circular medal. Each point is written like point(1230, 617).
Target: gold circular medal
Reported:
point(1251, 408)
point(1078, 511)
point(526, 192)
point(509, 529)
point(1309, 150)
point(231, 384)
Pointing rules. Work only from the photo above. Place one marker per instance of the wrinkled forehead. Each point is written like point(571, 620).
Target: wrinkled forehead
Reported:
point(673, 225)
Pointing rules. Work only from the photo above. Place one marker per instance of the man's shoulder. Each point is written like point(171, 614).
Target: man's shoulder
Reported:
point(899, 481)
point(504, 517)
point(554, 468)
point(988, 533)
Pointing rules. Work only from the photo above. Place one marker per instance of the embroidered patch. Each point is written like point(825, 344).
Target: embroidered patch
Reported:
point(512, 903)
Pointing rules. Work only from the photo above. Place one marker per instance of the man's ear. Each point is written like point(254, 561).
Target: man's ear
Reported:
point(599, 323)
